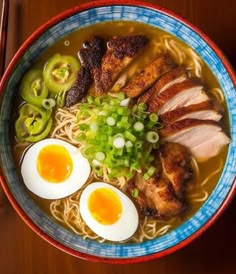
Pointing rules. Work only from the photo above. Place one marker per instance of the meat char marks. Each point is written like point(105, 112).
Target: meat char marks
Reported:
point(176, 160)
point(90, 57)
point(189, 114)
point(79, 88)
point(148, 76)
point(157, 198)
point(163, 196)
point(174, 76)
point(101, 64)
point(120, 53)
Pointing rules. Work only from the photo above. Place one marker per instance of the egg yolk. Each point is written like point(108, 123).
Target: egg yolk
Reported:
point(105, 206)
point(54, 163)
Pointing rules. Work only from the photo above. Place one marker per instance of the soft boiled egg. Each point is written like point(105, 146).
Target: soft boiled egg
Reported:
point(108, 211)
point(53, 169)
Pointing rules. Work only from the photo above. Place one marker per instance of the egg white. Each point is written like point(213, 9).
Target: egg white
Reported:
point(48, 190)
point(125, 226)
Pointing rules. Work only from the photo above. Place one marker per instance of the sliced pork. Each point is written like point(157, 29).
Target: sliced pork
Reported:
point(204, 138)
point(151, 72)
point(206, 110)
point(120, 53)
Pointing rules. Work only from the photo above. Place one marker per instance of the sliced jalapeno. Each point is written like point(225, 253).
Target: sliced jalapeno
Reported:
point(33, 89)
point(33, 123)
point(60, 72)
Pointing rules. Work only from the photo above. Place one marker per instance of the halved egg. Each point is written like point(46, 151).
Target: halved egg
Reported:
point(108, 212)
point(53, 169)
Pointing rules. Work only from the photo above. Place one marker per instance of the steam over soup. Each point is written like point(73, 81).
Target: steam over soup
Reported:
point(146, 114)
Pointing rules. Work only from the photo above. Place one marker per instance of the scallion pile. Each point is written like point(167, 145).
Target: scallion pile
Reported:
point(117, 135)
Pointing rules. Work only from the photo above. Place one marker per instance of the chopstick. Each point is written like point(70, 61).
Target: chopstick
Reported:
point(3, 46)
point(3, 35)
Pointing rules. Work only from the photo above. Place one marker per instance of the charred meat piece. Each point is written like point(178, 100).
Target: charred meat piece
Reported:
point(90, 57)
point(92, 53)
point(80, 87)
point(177, 75)
point(176, 163)
point(207, 110)
point(157, 197)
point(120, 53)
point(164, 197)
point(145, 205)
point(147, 96)
point(151, 72)
point(204, 138)
point(181, 94)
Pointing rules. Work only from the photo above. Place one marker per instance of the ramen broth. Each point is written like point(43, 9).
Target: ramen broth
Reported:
point(71, 44)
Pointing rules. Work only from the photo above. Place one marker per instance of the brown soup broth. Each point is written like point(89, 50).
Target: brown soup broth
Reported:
point(71, 44)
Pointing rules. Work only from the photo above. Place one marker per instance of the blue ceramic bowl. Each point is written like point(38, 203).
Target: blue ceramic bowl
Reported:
point(43, 38)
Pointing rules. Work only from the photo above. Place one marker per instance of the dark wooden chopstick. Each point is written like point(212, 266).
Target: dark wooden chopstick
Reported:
point(3, 35)
point(3, 46)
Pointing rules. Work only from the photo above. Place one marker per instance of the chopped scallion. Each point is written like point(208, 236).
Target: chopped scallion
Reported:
point(151, 170)
point(119, 142)
point(138, 126)
point(128, 135)
point(117, 135)
point(94, 127)
point(153, 117)
point(128, 144)
point(125, 102)
point(100, 156)
point(111, 121)
point(152, 137)
point(135, 192)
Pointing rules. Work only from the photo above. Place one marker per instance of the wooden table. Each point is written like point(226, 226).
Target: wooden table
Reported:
point(23, 252)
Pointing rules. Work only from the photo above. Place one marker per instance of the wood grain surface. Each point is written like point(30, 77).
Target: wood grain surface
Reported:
point(24, 252)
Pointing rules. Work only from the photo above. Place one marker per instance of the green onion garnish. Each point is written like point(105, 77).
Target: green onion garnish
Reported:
point(135, 193)
point(116, 134)
point(152, 137)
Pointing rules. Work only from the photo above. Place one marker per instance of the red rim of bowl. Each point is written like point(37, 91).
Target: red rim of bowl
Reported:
point(7, 191)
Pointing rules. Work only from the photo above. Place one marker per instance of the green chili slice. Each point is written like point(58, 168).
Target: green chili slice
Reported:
point(60, 72)
point(33, 123)
point(33, 89)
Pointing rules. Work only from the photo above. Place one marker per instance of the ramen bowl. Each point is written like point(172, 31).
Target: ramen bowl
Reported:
point(44, 225)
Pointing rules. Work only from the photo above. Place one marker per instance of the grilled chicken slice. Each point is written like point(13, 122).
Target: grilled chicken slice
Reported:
point(151, 72)
point(181, 94)
point(157, 197)
point(207, 110)
point(204, 138)
point(177, 75)
point(120, 53)
point(176, 163)
point(145, 205)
